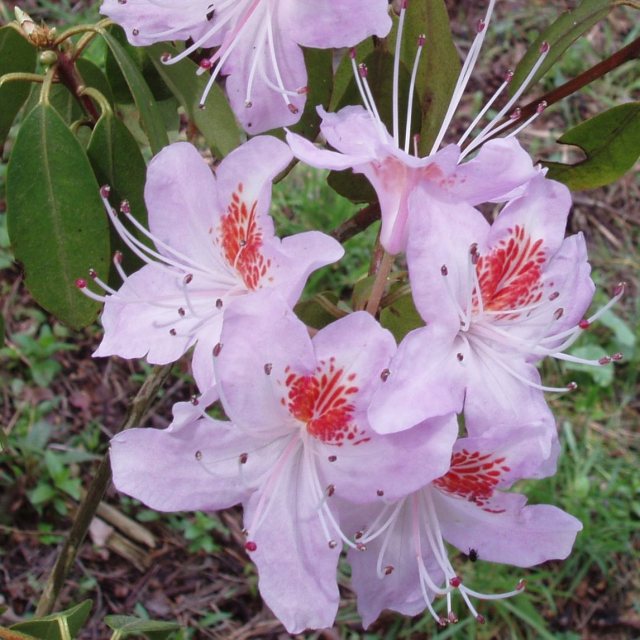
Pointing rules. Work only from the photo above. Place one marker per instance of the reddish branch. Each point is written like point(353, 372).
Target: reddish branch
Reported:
point(70, 78)
point(625, 54)
point(357, 223)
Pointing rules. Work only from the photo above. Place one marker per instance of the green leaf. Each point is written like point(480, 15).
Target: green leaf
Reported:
point(56, 221)
point(320, 83)
point(117, 161)
point(125, 626)
point(16, 55)
point(93, 77)
point(435, 81)
point(48, 628)
point(400, 317)
point(320, 310)
point(560, 35)
point(41, 494)
point(353, 186)
point(8, 634)
point(145, 102)
point(142, 60)
point(623, 334)
point(216, 121)
point(611, 143)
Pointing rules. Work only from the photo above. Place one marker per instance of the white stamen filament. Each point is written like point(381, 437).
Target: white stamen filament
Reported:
point(482, 113)
point(271, 486)
point(396, 72)
point(491, 129)
point(463, 78)
point(274, 58)
point(412, 86)
point(323, 509)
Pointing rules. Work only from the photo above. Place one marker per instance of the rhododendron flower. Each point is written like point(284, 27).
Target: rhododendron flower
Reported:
point(214, 243)
point(363, 144)
point(496, 298)
point(258, 44)
point(299, 442)
point(406, 562)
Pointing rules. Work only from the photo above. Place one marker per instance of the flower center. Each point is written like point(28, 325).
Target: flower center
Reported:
point(242, 240)
point(510, 276)
point(473, 476)
point(323, 401)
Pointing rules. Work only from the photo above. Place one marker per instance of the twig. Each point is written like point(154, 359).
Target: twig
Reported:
point(97, 488)
point(625, 54)
point(379, 284)
point(357, 223)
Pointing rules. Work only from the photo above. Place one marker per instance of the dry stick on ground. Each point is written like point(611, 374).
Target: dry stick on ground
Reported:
point(89, 505)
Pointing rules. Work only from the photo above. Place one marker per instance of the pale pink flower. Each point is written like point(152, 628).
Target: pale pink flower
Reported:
point(363, 143)
point(214, 242)
point(406, 562)
point(496, 299)
point(299, 446)
point(258, 44)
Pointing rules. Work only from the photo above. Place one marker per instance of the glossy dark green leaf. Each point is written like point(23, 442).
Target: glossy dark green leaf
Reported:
point(9, 634)
point(611, 143)
point(48, 627)
point(56, 221)
point(95, 78)
point(216, 121)
point(320, 83)
point(560, 35)
point(400, 317)
point(117, 161)
point(439, 65)
point(125, 626)
point(144, 100)
point(320, 310)
point(16, 55)
point(353, 186)
point(142, 60)
point(61, 99)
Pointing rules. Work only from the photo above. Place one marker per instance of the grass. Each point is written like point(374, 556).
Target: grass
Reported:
point(45, 457)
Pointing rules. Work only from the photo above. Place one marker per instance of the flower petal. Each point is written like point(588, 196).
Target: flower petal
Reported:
point(260, 338)
point(312, 155)
point(297, 257)
point(521, 536)
point(268, 108)
point(253, 165)
point(192, 465)
point(387, 467)
point(325, 24)
point(144, 319)
point(425, 380)
point(181, 197)
point(398, 588)
point(296, 565)
point(202, 360)
point(440, 235)
point(541, 211)
point(500, 389)
point(501, 167)
point(144, 24)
